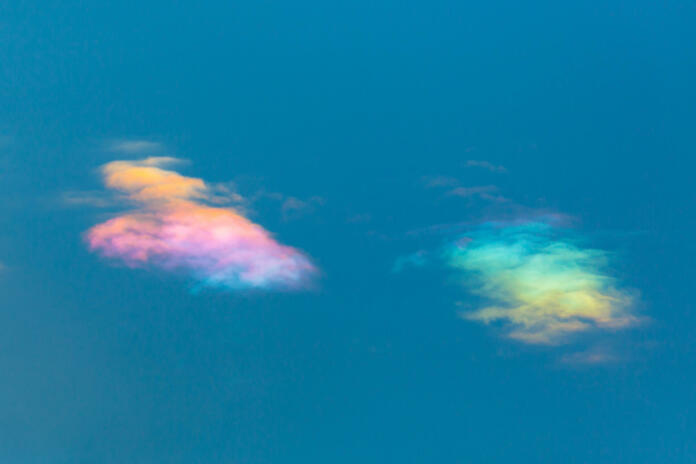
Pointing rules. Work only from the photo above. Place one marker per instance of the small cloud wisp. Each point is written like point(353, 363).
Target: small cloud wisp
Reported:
point(542, 287)
point(133, 147)
point(176, 226)
point(485, 165)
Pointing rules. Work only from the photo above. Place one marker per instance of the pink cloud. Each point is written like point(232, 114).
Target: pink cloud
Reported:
point(174, 227)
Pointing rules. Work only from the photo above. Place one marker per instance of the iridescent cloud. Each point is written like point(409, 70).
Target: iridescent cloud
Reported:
point(542, 286)
point(176, 226)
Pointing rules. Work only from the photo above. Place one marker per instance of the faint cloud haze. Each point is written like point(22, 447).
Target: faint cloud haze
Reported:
point(592, 356)
point(486, 192)
point(294, 208)
point(455, 189)
point(440, 181)
point(96, 199)
point(135, 146)
point(485, 165)
point(413, 260)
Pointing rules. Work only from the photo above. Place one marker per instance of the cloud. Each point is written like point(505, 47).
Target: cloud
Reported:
point(486, 192)
point(592, 356)
point(294, 208)
point(541, 286)
point(471, 191)
point(134, 147)
point(485, 165)
point(97, 199)
point(413, 260)
point(440, 181)
point(177, 225)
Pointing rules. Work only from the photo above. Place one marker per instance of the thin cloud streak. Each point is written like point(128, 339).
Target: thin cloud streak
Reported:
point(87, 198)
point(486, 192)
point(455, 189)
point(592, 356)
point(177, 226)
point(485, 165)
point(134, 147)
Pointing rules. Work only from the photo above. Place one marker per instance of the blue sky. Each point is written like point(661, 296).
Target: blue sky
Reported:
point(370, 138)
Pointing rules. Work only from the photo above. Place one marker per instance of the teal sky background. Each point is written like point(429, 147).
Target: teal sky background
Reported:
point(354, 110)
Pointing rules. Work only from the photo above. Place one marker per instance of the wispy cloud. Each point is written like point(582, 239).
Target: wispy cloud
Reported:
point(485, 165)
point(453, 188)
point(178, 225)
point(486, 192)
point(93, 198)
point(135, 147)
point(294, 208)
point(413, 260)
point(539, 282)
point(440, 181)
point(592, 356)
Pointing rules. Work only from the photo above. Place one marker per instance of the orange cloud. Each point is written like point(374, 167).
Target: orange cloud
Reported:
point(175, 228)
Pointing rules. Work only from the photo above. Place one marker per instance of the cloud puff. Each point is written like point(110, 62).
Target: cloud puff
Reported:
point(541, 286)
point(176, 226)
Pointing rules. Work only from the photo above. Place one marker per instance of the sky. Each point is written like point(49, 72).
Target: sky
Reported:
point(313, 232)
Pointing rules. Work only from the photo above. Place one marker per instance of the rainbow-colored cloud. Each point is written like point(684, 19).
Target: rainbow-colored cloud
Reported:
point(177, 227)
point(540, 285)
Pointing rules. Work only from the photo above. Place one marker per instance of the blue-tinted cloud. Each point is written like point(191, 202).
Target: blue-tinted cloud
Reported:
point(176, 226)
point(414, 260)
point(539, 282)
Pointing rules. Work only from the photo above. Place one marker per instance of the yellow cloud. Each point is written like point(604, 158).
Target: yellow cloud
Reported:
point(542, 288)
